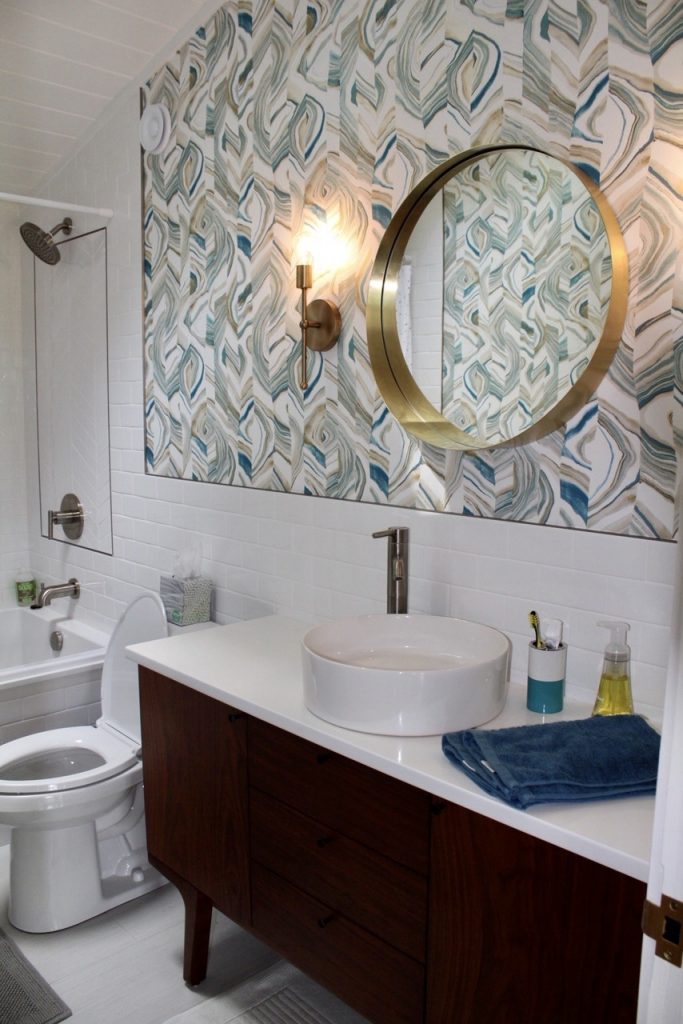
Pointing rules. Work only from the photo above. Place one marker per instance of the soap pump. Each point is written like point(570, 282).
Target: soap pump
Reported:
point(614, 692)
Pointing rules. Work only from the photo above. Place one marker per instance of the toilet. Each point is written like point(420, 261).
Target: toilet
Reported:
point(73, 798)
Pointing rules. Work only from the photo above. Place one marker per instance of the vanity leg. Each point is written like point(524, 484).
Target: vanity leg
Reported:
point(198, 908)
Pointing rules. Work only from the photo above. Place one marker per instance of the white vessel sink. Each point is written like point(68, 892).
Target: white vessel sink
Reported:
point(405, 675)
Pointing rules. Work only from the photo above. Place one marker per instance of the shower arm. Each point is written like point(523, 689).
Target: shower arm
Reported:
point(52, 204)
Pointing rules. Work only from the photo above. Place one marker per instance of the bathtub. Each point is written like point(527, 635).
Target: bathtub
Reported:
point(25, 652)
point(45, 689)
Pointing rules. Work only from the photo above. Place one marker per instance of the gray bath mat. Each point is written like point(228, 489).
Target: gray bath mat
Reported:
point(24, 997)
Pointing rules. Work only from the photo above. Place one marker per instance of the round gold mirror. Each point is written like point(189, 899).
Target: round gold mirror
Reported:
point(497, 299)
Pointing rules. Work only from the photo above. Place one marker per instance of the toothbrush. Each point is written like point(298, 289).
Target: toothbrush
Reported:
point(536, 626)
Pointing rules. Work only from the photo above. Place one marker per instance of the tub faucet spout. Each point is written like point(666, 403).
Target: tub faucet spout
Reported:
point(47, 594)
point(397, 568)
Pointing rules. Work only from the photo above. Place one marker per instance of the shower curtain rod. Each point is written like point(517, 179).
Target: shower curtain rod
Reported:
point(71, 207)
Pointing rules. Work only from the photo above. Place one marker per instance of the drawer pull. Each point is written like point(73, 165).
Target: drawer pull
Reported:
point(438, 807)
point(324, 921)
point(324, 757)
point(324, 841)
point(235, 716)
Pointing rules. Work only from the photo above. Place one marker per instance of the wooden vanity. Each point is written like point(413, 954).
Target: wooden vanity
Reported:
point(412, 909)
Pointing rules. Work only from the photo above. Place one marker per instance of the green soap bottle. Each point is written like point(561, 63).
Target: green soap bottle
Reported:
point(614, 692)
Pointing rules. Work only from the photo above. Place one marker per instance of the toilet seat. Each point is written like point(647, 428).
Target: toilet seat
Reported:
point(112, 756)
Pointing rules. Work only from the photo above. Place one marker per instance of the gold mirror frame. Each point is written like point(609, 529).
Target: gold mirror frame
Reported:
point(394, 379)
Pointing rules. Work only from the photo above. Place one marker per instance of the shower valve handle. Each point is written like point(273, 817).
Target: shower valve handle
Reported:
point(70, 516)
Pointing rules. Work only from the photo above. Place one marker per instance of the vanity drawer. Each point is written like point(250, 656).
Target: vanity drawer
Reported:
point(371, 976)
point(377, 893)
point(389, 816)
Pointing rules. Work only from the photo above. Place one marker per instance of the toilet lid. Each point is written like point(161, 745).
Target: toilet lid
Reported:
point(143, 619)
point(59, 759)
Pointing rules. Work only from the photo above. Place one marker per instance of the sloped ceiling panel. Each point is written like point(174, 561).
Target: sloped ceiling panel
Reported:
point(61, 63)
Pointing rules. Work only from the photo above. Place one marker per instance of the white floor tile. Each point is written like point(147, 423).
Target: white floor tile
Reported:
point(125, 966)
point(292, 989)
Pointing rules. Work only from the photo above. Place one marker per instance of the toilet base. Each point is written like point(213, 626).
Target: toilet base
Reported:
point(61, 876)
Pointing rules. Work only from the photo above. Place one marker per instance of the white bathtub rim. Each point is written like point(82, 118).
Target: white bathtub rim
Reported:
point(42, 672)
point(53, 670)
point(97, 633)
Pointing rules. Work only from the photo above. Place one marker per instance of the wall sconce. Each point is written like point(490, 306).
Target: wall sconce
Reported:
point(320, 321)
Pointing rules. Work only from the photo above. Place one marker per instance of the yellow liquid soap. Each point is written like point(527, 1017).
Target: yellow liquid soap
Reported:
point(614, 695)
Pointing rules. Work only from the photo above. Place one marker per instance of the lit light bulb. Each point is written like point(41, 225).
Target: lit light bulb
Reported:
point(322, 246)
point(332, 251)
point(303, 254)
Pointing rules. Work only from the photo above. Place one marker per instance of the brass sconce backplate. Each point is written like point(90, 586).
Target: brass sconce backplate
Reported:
point(324, 325)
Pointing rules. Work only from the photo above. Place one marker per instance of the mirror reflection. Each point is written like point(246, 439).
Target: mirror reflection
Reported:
point(503, 293)
point(497, 299)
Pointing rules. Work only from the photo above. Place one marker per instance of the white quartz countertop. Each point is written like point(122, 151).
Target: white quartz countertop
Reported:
point(256, 667)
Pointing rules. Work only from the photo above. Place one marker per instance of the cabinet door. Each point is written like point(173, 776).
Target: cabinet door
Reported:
point(522, 931)
point(195, 777)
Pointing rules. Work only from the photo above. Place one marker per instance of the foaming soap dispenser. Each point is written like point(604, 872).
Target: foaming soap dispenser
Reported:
point(614, 692)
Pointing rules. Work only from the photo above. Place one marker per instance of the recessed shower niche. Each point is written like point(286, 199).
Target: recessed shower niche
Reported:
point(72, 386)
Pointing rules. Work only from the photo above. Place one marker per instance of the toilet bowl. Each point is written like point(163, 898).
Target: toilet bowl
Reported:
point(73, 798)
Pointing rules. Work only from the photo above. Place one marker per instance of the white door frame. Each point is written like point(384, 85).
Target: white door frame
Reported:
point(661, 984)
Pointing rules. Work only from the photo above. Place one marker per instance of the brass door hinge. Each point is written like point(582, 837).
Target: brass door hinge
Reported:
point(664, 924)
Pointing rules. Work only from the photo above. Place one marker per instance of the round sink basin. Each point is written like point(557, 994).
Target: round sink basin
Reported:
point(405, 675)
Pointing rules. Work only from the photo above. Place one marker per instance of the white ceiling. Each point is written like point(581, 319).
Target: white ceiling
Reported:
point(61, 62)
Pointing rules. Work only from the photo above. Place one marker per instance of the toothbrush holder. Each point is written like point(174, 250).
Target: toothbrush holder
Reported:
point(545, 679)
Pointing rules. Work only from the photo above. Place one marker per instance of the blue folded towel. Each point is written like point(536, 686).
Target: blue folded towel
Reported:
point(589, 759)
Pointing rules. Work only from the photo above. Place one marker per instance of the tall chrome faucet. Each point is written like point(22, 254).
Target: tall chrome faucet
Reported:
point(397, 568)
point(46, 594)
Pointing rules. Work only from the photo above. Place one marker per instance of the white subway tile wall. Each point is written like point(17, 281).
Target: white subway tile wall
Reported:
point(49, 704)
point(275, 553)
point(14, 537)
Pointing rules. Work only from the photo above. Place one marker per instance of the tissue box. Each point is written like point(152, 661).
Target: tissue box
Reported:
point(186, 600)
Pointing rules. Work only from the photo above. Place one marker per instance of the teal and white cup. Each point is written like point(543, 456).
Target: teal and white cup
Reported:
point(545, 679)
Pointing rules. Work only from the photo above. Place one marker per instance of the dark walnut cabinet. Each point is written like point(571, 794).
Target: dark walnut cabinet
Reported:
point(412, 910)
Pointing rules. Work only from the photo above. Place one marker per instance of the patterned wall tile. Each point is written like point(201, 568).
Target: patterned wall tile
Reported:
point(292, 114)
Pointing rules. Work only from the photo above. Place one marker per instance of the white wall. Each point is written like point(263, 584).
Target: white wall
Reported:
point(270, 552)
point(14, 542)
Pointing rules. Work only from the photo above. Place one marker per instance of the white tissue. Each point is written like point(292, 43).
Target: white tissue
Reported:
point(188, 562)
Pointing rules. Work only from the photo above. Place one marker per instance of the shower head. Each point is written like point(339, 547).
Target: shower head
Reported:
point(41, 243)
